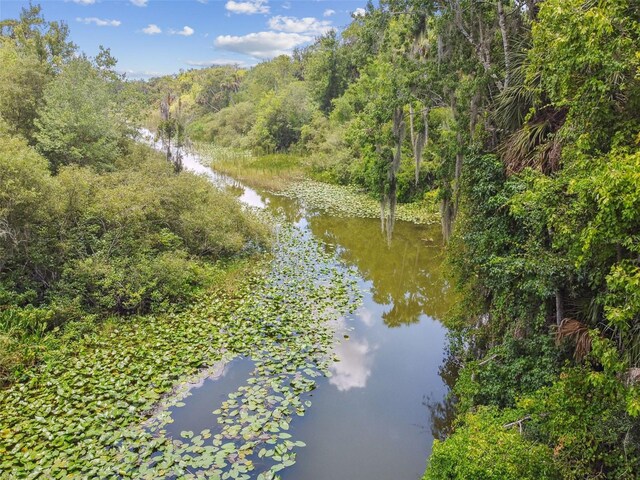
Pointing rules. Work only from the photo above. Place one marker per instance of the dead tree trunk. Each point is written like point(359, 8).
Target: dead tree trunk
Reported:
point(505, 43)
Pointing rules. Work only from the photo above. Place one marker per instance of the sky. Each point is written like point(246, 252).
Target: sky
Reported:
point(158, 37)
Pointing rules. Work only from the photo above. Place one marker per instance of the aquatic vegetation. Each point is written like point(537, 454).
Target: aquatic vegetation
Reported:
point(272, 172)
point(349, 201)
point(86, 411)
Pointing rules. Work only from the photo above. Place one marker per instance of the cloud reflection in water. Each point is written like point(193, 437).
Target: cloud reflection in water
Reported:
point(354, 367)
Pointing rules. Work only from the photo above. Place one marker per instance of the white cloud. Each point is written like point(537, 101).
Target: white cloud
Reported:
point(139, 3)
point(262, 45)
point(215, 62)
point(249, 7)
point(152, 29)
point(307, 25)
point(140, 75)
point(85, 2)
point(186, 31)
point(100, 22)
point(328, 12)
point(286, 5)
point(359, 12)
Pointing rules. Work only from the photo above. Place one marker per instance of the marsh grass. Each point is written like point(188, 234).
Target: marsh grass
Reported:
point(274, 172)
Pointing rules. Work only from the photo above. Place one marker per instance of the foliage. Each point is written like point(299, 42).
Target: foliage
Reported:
point(78, 124)
point(129, 241)
point(586, 414)
point(584, 57)
point(22, 81)
point(326, 69)
point(482, 448)
point(32, 51)
point(269, 77)
point(280, 118)
point(227, 128)
point(31, 34)
point(517, 367)
point(520, 118)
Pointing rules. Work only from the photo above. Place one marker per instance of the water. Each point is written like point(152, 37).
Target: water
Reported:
point(371, 419)
point(377, 416)
point(206, 396)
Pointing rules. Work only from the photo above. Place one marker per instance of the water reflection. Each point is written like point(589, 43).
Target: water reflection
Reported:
point(353, 367)
point(406, 274)
point(205, 397)
point(442, 410)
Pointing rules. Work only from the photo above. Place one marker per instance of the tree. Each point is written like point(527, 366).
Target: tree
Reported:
point(48, 41)
point(78, 122)
point(217, 86)
point(172, 130)
point(280, 117)
point(325, 69)
point(22, 82)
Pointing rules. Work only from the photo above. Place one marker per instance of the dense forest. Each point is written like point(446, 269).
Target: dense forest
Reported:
point(517, 121)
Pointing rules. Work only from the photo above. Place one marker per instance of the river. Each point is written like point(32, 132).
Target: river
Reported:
point(376, 417)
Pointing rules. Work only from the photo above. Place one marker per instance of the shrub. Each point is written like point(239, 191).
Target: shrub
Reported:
point(481, 448)
point(128, 241)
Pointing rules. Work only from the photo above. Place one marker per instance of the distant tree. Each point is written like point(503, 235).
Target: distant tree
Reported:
point(325, 69)
point(218, 87)
point(281, 116)
point(271, 76)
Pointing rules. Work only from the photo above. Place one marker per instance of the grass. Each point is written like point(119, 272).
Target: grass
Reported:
point(274, 172)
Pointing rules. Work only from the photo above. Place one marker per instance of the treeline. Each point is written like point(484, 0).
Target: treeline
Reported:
point(521, 119)
point(92, 224)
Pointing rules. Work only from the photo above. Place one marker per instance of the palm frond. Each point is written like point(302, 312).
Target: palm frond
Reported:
point(578, 332)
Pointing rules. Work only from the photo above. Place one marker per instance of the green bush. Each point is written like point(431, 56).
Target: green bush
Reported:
point(78, 123)
point(129, 241)
point(482, 448)
point(227, 127)
point(517, 367)
point(589, 415)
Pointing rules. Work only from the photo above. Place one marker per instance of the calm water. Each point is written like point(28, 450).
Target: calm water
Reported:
point(376, 417)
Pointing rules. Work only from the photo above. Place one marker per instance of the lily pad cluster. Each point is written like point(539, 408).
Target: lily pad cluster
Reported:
point(349, 201)
point(91, 411)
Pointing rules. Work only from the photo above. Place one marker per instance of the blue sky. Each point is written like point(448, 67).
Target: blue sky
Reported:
point(157, 37)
